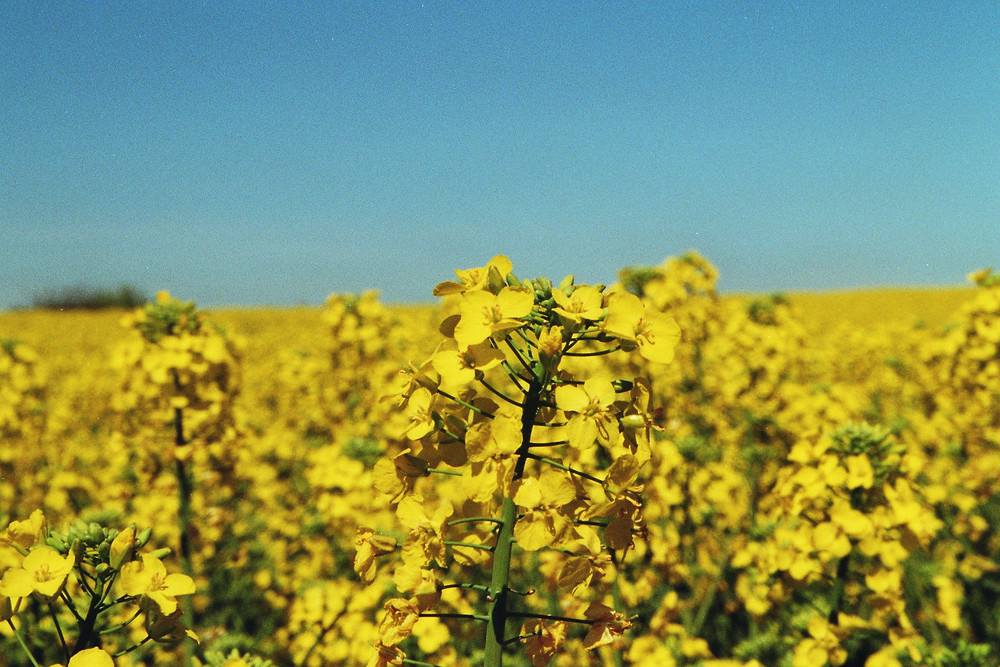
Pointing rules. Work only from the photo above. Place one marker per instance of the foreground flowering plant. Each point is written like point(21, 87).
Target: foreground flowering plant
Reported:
point(92, 579)
point(537, 451)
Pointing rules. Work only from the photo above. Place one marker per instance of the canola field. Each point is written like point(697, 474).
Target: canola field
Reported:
point(525, 473)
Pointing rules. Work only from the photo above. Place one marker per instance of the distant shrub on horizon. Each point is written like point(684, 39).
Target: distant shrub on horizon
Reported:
point(80, 297)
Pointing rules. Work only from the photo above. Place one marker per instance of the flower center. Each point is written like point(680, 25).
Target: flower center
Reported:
point(644, 332)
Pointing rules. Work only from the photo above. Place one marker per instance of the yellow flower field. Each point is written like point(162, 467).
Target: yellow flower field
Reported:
point(524, 473)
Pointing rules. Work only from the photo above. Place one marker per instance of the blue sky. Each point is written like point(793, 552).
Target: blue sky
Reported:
point(273, 153)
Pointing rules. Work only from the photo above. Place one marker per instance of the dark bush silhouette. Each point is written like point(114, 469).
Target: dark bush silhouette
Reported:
point(78, 297)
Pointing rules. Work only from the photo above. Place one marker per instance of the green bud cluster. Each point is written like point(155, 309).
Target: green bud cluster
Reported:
point(168, 317)
point(874, 442)
point(95, 544)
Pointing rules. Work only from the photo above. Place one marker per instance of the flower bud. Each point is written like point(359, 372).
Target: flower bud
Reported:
point(95, 534)
point(143, 537)
point(633, 421)
point(122, 547)
point(56, 543)
point(566, 286)
point(495, 281)
point(161, 553)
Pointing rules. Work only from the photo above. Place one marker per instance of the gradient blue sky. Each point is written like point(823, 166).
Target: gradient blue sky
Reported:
point(273, 153)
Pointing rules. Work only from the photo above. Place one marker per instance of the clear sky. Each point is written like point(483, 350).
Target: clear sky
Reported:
point(273, 153)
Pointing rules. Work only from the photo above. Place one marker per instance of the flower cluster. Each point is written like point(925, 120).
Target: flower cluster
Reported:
point(514, 418)
point(93, 578)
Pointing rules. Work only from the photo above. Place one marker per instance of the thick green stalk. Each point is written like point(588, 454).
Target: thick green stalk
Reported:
point(496, 630)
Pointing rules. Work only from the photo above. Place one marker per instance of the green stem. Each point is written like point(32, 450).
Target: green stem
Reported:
point(122, 626)
point(551, 617)
point(453, 473)
point(474, 519)
point(470, 545)
point(496, 631)
point(87, 625)
point(133, 647)
point(465, 404)
point(616, 596)
point(59, 632)
point(556, 464)
point(474, 617)
point(20, 640)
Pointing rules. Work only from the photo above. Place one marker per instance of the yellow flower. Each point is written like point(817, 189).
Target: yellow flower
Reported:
point(607, 627)
point(477, 278)
point(458, 367)
point(483, 314)
point(91, 657)
point(592, 418)
point(44, 569)
point(166, 629)
point(654, 333)
point(369, 546)
point(397, 624)
point(859, 472)
point(386, 656)
point(25, 533)
point(585, 303)
point(149, 578)
point(543, 640)
point(542, 498)
point(418, 411)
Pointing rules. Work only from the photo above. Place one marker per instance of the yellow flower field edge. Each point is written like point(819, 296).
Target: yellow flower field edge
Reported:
point(527, 474)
